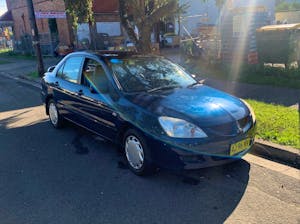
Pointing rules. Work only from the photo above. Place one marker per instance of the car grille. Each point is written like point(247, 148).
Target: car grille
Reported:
point(232, 128)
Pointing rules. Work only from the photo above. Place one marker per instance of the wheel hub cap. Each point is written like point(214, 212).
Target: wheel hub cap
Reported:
point(134, 152)
point(53, 114)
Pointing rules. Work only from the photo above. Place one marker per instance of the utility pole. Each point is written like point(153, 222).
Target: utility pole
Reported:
point(35, 38)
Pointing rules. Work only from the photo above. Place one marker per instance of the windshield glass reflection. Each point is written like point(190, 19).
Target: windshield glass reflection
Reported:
point(149, 74)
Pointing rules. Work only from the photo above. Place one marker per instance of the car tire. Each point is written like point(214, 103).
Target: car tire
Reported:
point(137, 153)
point(55, 118)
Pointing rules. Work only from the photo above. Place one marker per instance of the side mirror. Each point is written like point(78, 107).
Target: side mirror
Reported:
point(92, 90)
point(202, 81)
point(50, 69)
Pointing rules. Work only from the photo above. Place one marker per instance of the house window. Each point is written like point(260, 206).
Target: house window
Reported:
point(111, 28)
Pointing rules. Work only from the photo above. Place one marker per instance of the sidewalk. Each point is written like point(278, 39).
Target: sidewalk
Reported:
point(22, 67)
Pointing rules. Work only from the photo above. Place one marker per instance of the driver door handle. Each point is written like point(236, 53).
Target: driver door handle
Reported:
point(80, 92)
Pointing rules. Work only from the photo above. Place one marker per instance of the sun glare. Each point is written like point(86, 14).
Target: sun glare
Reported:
point(243, 28)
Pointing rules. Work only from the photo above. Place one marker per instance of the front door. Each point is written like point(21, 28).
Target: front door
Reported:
point(95, 103)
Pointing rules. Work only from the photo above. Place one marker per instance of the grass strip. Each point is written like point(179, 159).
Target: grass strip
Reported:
point(277, 123)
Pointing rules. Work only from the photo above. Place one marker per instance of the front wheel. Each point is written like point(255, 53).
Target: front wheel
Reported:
point(137, 153)
point(54, 116)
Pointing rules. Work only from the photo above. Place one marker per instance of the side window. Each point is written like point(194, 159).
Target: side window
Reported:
point(70, 70)
point(94, 75)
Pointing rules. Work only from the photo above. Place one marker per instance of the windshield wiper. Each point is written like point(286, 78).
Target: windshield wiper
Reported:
point(193, 84)
point(162, 88)
point(196, 83)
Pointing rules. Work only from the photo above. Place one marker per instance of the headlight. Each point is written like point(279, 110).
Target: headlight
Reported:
point(179, 128)
point(251, 110)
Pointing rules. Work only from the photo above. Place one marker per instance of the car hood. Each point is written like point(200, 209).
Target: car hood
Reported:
point(200, 104)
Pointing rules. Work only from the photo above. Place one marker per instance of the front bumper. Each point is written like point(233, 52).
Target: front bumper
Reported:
point(184, 155)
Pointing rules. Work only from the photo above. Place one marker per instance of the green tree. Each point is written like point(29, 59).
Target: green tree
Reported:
point(295, 6)
point(283, 6)
point(286, 6)
point(144, 14)
point(80, 11)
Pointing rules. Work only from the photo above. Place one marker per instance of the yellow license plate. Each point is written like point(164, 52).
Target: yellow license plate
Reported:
point(240, 146)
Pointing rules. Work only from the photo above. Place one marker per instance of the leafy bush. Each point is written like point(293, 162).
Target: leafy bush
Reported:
point(285, 6)
point(276, 76)
point(254, 74)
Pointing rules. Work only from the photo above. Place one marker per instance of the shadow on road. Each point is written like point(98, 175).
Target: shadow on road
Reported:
point(44, 180)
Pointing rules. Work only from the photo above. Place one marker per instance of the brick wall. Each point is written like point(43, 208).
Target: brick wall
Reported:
point(105, 17)
point(105, 11)
point(21, 19)
point(110, 6)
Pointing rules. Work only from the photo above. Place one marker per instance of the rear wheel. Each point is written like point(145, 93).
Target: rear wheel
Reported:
point(54, 116)
point(137, 153)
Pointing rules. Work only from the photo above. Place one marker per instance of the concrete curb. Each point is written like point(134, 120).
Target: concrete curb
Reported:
point(279, 153)
point(282, 154)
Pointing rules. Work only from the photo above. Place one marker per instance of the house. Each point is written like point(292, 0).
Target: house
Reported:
point(238, 24)
point(107, 20)
point(53, 24)
point(199, 16)
point(51, 21)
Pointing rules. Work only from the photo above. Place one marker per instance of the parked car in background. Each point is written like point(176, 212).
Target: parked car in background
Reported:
point(103, 41)
point(153, 109)
point(170, 40)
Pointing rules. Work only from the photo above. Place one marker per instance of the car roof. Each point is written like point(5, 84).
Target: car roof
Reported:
point(107, 55)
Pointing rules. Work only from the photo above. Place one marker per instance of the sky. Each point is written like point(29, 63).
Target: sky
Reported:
point(2, 7)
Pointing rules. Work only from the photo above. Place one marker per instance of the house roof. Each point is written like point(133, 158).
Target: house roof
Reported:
point(293, 26)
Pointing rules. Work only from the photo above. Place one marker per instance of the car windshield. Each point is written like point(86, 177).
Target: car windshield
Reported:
point(149, 74)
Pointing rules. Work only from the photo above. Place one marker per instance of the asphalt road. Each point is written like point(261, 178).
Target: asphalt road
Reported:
point(71, 176)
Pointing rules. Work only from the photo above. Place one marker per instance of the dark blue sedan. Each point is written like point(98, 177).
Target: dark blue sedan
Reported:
point(151, 107)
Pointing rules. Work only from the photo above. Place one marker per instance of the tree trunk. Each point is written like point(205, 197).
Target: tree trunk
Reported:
point(125, 22)
point(92, 28)
point(144, 21)
point(179, 26)
point(72, 32)
point(144, 45)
